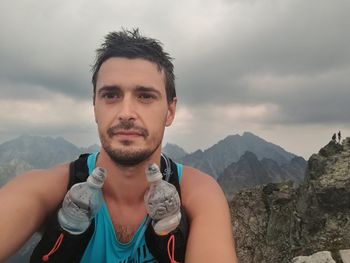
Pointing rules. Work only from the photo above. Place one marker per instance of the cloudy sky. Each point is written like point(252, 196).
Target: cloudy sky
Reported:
point(277, 68)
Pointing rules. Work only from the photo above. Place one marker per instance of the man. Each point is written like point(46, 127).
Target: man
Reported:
point(134, 100)
point(334, 137)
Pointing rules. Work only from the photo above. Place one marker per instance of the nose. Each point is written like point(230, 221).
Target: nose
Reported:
point(127, 109)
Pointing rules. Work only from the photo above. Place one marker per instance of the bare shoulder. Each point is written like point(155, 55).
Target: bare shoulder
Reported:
point(209, 216)
point(47, 186)
point(199, 190)
point(25, 203)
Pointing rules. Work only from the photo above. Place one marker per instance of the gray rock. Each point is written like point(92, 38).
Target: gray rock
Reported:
point(345, 255)
point(278, 222)
point(249, 172)
point(319, 257)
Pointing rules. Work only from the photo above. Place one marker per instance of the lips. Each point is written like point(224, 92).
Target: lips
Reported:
point(121, 131)
point(128, 133)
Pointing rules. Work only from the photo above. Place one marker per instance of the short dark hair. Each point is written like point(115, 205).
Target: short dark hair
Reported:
point(131, 44)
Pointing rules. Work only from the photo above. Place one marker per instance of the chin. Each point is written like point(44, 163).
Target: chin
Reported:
point(129, 152)
point(129, 156)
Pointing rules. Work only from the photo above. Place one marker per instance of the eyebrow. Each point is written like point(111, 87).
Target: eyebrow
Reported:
point(137, 89)
point(148, 89)
point(109, 88)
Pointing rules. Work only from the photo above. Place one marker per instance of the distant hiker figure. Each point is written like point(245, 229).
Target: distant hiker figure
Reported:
point(334, 137)
point(339, 136)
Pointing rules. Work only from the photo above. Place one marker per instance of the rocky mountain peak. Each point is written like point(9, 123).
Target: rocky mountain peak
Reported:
point(328, 175)
point(248, 155)
point(277, 222)
point(332, 148)
point(174, 151)
point(215, 159)
point(329, 170)
point(249, 171)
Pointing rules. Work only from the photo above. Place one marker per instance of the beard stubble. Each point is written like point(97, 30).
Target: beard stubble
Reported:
point(127, 157)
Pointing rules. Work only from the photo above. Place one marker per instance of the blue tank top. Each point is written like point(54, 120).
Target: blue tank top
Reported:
point(105, 247)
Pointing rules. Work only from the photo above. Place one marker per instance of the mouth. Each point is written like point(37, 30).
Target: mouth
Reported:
point(128, 133)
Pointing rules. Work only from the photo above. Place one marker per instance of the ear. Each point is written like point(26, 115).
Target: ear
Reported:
point(171, 112)
point(95, 113)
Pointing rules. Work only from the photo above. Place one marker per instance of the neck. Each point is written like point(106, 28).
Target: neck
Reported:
point(126, 185)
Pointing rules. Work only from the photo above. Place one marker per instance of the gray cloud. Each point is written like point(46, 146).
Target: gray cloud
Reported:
point(278, 62)
point(302, 45)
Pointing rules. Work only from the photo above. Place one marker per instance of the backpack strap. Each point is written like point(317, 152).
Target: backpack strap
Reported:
point(71, 247)
point(169, 171)
point(158, 245)
point(78, 170)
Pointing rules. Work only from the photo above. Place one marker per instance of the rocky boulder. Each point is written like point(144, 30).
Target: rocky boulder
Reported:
point(278, 222)
point(319, 257)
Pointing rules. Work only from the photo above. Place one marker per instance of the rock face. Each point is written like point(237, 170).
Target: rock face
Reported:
point(249, 172)
point(277, 222)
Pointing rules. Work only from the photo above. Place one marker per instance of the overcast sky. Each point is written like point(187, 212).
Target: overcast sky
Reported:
point(277, 68)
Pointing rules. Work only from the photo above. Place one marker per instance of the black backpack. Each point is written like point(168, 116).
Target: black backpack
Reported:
point(59, 246)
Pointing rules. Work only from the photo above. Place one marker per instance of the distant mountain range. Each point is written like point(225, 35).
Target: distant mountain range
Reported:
point(174, 151)
point(237, 161)
point(216, 158)
point(28, 152)
point(241, 161)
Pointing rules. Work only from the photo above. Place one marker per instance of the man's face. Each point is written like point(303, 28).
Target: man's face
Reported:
point(131, 109)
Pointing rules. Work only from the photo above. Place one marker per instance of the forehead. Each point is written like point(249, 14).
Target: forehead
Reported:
point(126, 72)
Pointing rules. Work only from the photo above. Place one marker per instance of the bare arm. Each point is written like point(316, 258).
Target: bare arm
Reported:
point(25, 202)
point(210, 238)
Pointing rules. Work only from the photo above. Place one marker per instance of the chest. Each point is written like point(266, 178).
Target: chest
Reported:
point(125, 220)
point(103, 246)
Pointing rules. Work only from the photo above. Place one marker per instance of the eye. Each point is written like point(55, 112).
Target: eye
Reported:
point(146, 96)
point(110, 96)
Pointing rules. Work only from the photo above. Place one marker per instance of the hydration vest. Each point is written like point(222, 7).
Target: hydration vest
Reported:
point(59, 246)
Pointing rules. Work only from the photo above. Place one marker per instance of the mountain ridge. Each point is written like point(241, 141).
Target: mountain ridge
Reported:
point(28, 152)
point(230, 149)
point(43, 152)
point(173, 150)
point(249, 172)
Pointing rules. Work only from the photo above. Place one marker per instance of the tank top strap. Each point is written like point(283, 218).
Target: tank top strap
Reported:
point(179, 171)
